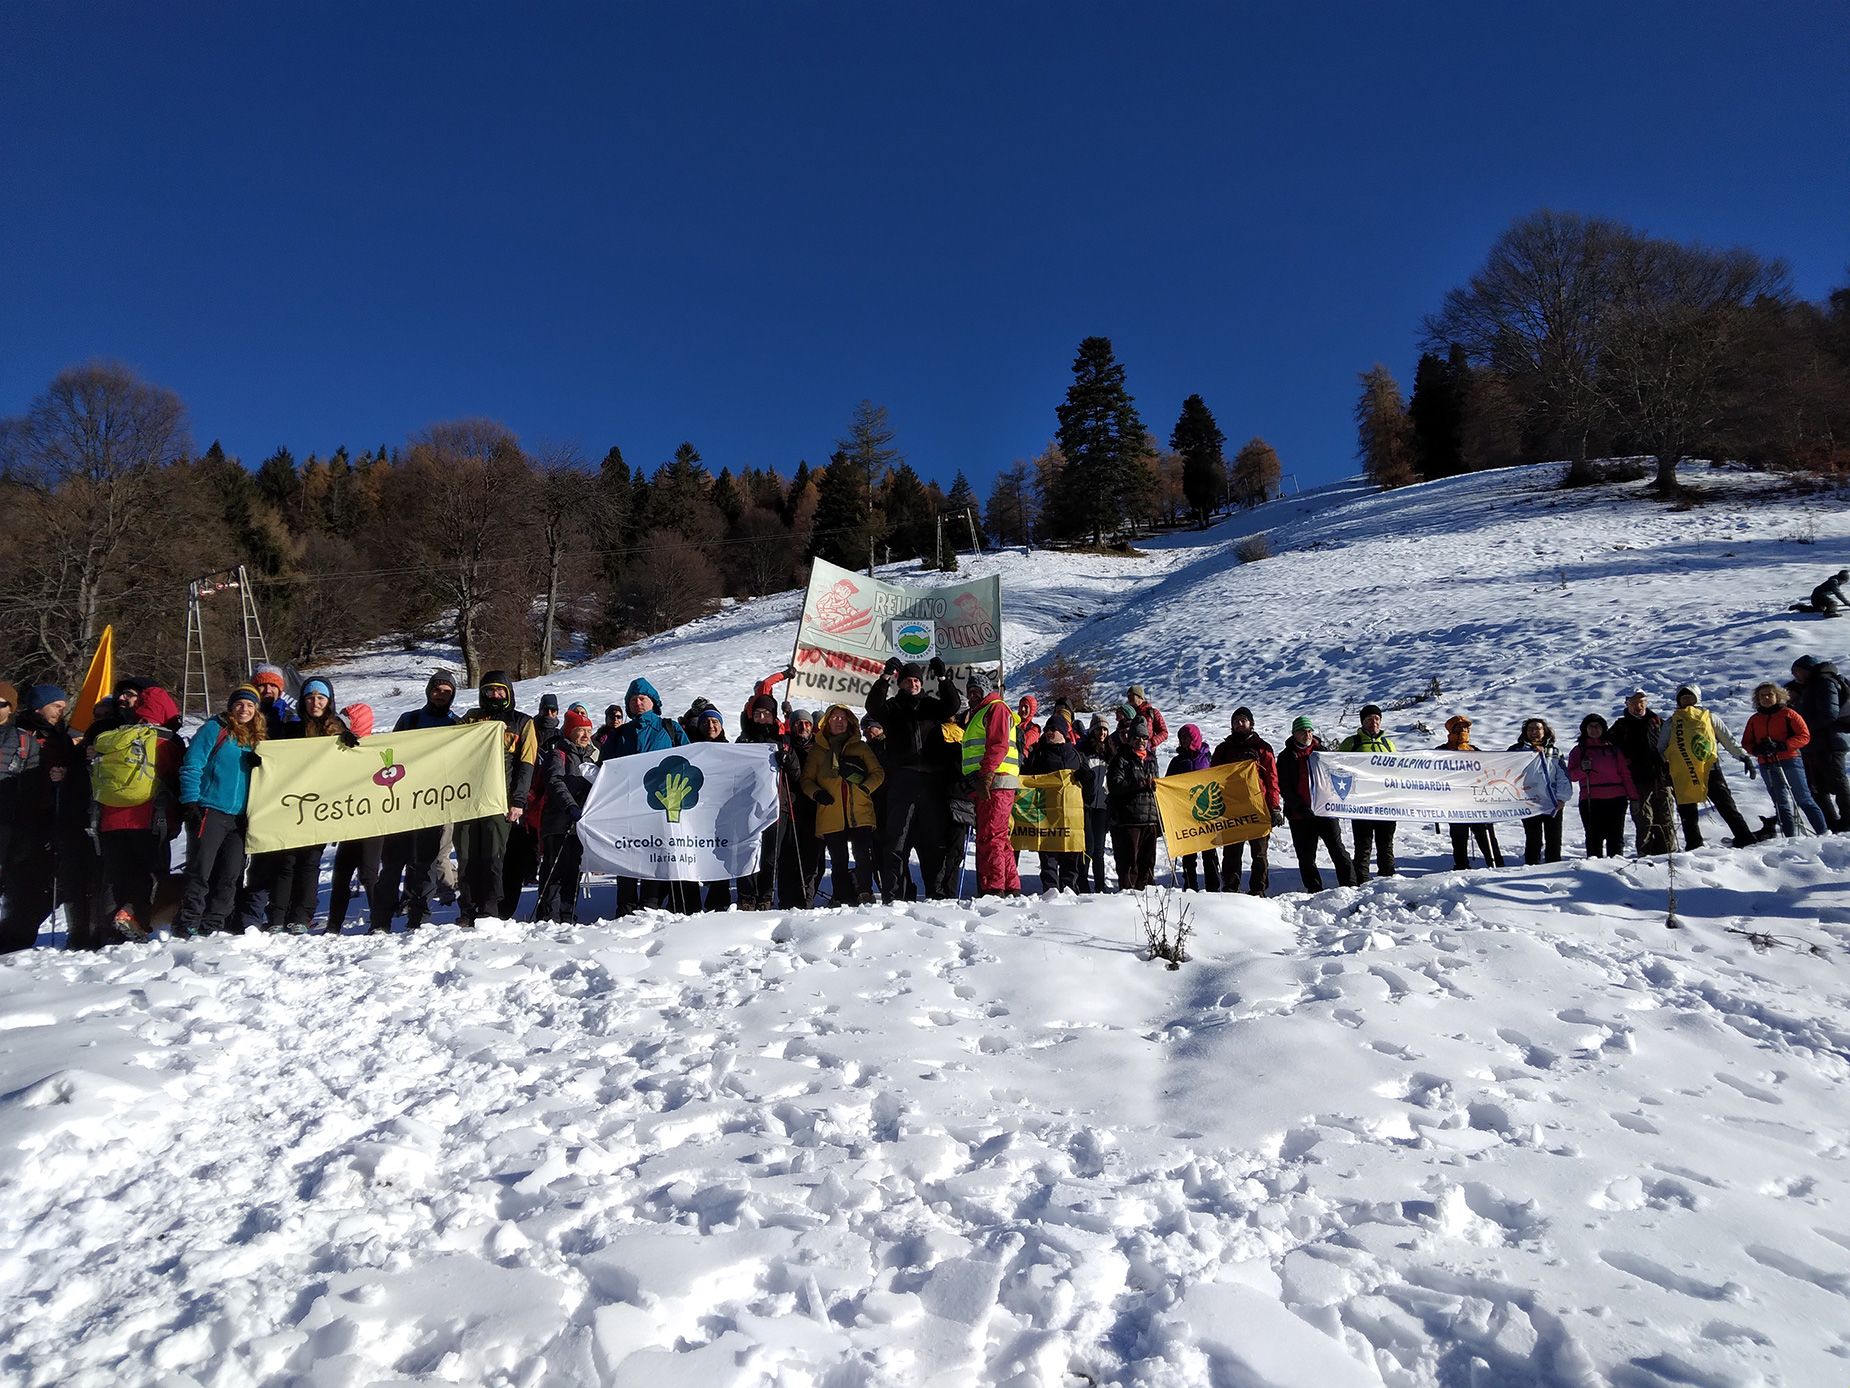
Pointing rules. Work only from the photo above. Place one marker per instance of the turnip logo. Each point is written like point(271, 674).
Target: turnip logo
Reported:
point(673, 785)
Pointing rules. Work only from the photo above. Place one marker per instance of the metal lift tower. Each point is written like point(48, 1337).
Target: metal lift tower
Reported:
point(256, 649)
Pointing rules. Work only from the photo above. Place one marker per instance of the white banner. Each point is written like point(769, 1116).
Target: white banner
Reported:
point(844, 636)
point(1459, 787)
point(683, 814)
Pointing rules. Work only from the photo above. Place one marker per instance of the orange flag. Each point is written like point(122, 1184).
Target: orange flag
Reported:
point(99, 684)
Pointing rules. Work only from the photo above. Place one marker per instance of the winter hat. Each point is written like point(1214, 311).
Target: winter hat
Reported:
point(1139, 729)
point(977, 686)
point(1302, 724)
point(438, 677)
point(549, 703)
point(1457, 721)
point(270, 674)
point(1242, 712)
point(1058, 725)
point(1371, 710)
point(495, 679)
point(574, 720)
point(9, 693)
point(1127, 711)
point(1134, 692)
point(578, 707)
point(912, 670)
point(1190, 736)
point(157, 707)
point(869, 723)
point(246, 693)
point(613, 710)
point(41, 694)
point(802, 715)
point(1097, 725)
point(767, 702)
point(359, 719)
point(1806, 663)
point(711, 715)
point(318, 686)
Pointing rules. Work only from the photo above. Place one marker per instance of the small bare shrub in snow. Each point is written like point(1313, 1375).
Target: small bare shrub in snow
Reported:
point(1071, 682)
point(1166, 919)
point(1253, 548)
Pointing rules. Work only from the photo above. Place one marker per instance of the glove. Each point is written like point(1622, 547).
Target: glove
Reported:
point(1768, 746)
point(892, 666)
point(255, 758)
point(285, 708)
point(822, 796)
point(854, 776)
point(790, 673)
point(936, 667)
point(1747, 765)
point(195, 817)
point(1278, 818)
point(347, 739)
point(987, 780)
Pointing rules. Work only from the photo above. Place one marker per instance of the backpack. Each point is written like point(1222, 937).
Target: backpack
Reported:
point(123, 773)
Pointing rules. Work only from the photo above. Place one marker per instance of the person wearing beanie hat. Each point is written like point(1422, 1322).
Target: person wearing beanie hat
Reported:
point(1054, 753)
point(576, 718)
point(1635, 733)
point(411, 861)
point(272, 685)
point(1095, 749)
point(547, 723)
point(1822, 698)
point(215, 780)
point(1309, 830)
point(567, 768)
point(646, 731)
point(1132, 785)
point(1541, 834)
point(1829, 597)
point(49, 844)
point(354, 857)
point(779, 869)
point(19, 757)
point(498, 854)
point(992, 770)
point(913, 814)
point(24, 830)
point(1489, 846)
point(1371, 836)
point(294, 874)
point(1244, 744)
point(1691, 741)
point(1192, 755)
point(132, 838)
point(1151, 715)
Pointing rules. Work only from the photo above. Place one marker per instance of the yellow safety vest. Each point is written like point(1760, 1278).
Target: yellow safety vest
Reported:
point(976, 743)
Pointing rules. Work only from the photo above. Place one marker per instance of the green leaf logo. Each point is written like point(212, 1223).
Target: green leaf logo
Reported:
point(1208, 803)
point(1031, 806)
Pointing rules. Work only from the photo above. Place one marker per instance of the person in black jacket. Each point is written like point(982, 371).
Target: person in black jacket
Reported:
point(481, 844)
point(913, 758)
point(1307, 829)
point(412, 854)
point(778, 863)
point(1822, 698)
point(49, 852)
point(1634, 732)
point(1095, 750)
point(1132, 782)
point(567, 768)
point(1056, 751)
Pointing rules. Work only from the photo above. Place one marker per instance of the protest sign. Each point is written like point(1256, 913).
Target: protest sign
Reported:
point(1049, 814)
point(1457, 787)
point(681, 814)
point(1212, 808)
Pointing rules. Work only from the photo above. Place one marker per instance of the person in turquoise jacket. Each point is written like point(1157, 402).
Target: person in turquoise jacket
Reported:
point(215, 786)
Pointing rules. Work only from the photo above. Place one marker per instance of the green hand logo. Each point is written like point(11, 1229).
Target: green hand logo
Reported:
point(1031, 806)
point(1208, 803)
point(1702, 747)
point(673, 785)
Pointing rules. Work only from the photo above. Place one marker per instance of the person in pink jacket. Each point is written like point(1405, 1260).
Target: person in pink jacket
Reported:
point(1606, 788)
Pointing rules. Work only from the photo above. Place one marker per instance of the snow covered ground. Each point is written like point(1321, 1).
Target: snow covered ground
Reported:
point(1451, 1129)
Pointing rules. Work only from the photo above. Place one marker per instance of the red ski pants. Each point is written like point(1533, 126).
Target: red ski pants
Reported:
point(995, 860)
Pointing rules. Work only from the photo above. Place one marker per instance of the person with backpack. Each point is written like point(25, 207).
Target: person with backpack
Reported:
point(296, 879)
point(1151, 715)
point(411, 856)
point(1134, 818)
point(1055, 751)
point(646, 731)
point(568, 768)
point(215, 787)
point(1308, 829)
point(1027, 709)
point(1822, 698)
point(1458, 739)
point(914, 821)
point(1691, 742)
point(1192, 754)
point(1776, 734)
point(361, 857)
point(1635, 733)
point(135, 782)
point(840, 776)
point(481, 844)
point(1244, 744)
point(1095, 750)
point(1604, 775)
point(1541, 833)
point(992, 771)
point(1371, 836)
point(19, 760)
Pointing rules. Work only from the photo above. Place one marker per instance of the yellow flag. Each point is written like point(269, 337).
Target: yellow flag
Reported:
point(312, 790)
point(1692, 754)
point(1207, 809)
point(1049, 814)
point(99, 684)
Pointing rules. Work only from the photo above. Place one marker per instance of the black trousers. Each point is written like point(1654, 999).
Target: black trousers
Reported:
point(1488, 846)
point(1098, 834)
point(363, 856)
point(260, 871)
point(1824, 769)
point(1605, 825)
point(1230, 866)
point(951, 871)
point(295, 882)
point(1651, 822)
point(1373, 836)
point(1723, 800)
point(1066, 870)
point(214, 863)
point(1133, 847)
point(134, 862)
point(1307, 831)
point(912, 822)
point(851, 885)
point(481, 853)
point(1541, 838)
point(561, 867)
point(519, 866)
point(1210, 873)
point(412, 856)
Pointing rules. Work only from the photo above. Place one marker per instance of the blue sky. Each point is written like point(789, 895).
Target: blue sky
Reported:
point(636, 224)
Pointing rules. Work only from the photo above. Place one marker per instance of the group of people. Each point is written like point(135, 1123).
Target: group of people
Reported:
point(87, 818)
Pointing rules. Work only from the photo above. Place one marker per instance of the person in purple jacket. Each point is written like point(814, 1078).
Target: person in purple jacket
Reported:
point(1192, 754)
point(1606, 787)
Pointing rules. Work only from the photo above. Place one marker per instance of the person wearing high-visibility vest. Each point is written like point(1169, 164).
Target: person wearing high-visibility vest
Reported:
point(993, 768)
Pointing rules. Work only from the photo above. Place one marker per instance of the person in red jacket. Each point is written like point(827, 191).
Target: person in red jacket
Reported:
point(1777, 736)
point(991, 762)
point(1243, 744)
point(1606, 788)
point(1026, 732)
point(132, 840)
point(1307, 829)
point(1144, 709)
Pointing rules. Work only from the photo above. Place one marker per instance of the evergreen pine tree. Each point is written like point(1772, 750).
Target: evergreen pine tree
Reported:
point(910, 528)
point(679, 500)
point(791, 497)
point(726, 498)
point(958, 503)
point(846, 523)
point(1204, 464)
point(1384, 434)
point(1437, 413)
point(1106, 474)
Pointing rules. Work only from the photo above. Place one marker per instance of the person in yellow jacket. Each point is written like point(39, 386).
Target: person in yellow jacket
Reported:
point(841, 775)
point(1692, 741)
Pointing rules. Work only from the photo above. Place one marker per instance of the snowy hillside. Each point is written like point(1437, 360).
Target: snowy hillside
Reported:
point(1450, 1129)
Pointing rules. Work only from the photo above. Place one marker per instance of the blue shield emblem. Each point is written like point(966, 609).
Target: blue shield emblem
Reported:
point(1342, 782)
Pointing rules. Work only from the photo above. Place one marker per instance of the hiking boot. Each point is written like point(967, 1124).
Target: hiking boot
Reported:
point(295, 928)
point(127, 926)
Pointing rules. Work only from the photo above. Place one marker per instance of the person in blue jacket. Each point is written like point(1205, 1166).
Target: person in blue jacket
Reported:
point(646, 731)
point(215, 785)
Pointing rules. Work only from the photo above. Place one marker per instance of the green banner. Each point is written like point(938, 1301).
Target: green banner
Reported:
point(313, 790)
